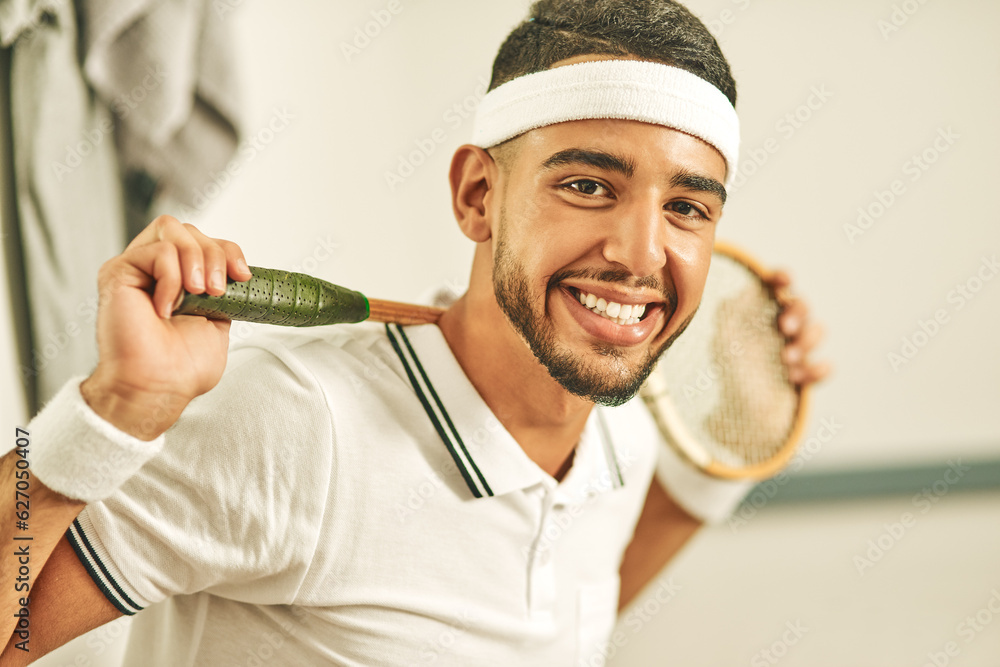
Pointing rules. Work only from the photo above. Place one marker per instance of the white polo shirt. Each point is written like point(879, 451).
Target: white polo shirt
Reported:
point(345, 496)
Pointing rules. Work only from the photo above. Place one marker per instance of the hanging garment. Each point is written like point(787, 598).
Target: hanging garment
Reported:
point(68, 196)
point(148, 116)
point(166, 68)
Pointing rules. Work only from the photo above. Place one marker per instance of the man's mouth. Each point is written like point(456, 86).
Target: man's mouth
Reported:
point(621, 314)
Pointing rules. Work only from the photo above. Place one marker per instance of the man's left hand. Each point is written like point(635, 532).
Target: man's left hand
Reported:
point(801, 334)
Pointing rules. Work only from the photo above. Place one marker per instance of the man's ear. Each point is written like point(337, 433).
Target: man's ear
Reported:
point(473, 179)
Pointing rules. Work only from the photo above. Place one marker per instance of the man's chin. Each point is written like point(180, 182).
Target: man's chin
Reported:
point(608, 374)
point(602, 378)
point(605, 374)
point(603, 395)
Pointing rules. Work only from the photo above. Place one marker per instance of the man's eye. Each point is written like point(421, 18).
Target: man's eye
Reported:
point(588, 187)
point(686, 209)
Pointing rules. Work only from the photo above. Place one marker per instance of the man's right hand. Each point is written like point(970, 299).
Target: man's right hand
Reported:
point(151, 364)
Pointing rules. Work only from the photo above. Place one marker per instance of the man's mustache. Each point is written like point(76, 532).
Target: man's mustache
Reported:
point(619, 277)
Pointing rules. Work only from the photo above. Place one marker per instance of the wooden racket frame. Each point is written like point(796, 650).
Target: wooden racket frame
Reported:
point(395, 312)
point(405, 313)
point(781, 459)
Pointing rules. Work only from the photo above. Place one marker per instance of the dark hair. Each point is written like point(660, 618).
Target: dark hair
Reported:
point(657, 30)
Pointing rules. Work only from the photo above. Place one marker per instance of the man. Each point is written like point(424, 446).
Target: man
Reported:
point(367, 495)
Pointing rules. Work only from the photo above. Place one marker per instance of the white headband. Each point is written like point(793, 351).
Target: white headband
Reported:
point(624, 89)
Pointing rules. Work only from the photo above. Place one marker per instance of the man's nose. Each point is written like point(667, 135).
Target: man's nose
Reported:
point(637, 238)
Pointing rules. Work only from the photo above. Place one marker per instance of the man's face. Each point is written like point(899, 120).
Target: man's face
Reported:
point(594, 219)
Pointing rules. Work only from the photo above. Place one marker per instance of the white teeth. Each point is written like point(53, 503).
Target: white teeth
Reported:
point(616, 312)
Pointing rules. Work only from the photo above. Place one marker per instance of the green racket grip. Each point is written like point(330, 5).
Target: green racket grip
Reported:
point(279, 297)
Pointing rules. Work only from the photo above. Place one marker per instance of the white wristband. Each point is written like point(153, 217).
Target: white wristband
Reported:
point(76, 453)
point(702, 496)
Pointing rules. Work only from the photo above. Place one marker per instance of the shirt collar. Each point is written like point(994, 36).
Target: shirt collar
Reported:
point(489, 459)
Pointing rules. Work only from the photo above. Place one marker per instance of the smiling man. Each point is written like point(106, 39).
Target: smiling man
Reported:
point(442, 493)
point(617, 213)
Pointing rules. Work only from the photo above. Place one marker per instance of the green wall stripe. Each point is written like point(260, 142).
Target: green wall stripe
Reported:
point(843, 485)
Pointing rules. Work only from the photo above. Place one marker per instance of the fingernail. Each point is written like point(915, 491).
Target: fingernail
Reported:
point(791, 324)
point(198, 278)
point(242, 265)
point(793, 354)
point(217, 279)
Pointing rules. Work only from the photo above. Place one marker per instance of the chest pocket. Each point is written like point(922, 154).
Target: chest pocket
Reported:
point(597, 611)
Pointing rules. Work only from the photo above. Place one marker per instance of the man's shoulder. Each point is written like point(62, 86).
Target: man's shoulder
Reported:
point(334, 344)
point(343, 360)
point(297, 339)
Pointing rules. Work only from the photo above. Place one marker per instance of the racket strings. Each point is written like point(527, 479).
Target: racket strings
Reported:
point(731, 399)
point(756, 405)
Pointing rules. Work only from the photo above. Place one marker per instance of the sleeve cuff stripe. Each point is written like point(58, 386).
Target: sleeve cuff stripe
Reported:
point(98, 572)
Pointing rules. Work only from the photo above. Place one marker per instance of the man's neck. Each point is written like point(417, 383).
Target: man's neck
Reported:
point(545, 419)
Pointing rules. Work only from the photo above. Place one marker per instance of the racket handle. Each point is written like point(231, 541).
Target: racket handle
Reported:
point(278, 297)
point(296, 299)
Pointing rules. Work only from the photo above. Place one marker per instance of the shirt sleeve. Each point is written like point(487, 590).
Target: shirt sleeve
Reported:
point(233, 503)
point(710, 499)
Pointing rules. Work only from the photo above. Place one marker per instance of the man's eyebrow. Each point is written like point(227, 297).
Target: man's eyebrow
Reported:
point(592, 158)
point(692, 181)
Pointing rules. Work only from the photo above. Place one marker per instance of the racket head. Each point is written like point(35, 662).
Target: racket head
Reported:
point(721, 395)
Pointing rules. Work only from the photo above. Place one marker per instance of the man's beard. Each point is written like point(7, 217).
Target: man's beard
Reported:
point(603, 385)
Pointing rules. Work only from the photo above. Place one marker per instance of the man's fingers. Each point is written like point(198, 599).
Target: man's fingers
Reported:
point(213, 261)
point(793, 317)
point(796, 356)
point(167, 272)
point(798, 348)
point(779, 279)
point(202, 263)
point(152, 232)
point(802, 335)
point(190, 254)
point(808, 374)
point(810, 337)
point(139, 266)
point(236, 263)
